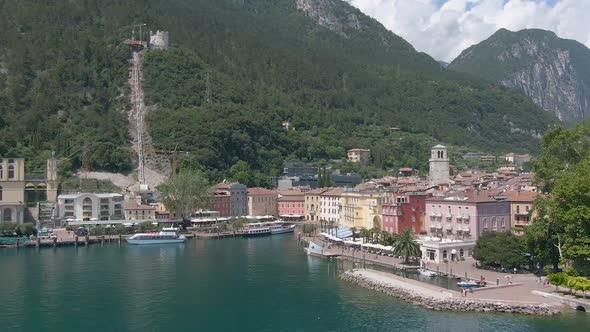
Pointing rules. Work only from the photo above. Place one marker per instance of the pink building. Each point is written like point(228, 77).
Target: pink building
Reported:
point(291, 203)
point(466, 215)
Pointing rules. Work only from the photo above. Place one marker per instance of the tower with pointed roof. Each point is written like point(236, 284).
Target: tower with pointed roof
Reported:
point(439, 165)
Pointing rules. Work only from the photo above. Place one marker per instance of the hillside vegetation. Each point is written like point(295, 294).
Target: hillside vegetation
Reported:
point(235, 72)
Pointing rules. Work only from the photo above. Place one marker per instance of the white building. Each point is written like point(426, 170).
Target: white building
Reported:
point(439, 250)
point(439, 166)
point(159, 40)
point(90, 207)
point(330, 204)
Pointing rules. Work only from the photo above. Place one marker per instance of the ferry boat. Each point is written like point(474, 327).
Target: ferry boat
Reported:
point(281, 229)
point(256, 229)
point(166, 235)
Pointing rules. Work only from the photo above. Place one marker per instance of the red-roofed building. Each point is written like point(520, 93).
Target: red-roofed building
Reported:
point(221, 202)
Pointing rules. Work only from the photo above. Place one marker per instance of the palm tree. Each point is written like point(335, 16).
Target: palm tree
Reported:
point(406, 245)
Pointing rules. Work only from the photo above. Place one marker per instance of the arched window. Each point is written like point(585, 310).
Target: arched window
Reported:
point(494, 223)
point(503, 222)
point(11, 171)
point(7, 215)
point(485, 223)
point(1, 172)
point(461, 252)
point(444, 254)
point(87, 201)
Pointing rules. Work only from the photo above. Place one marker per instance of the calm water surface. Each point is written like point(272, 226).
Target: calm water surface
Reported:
point(261, 284)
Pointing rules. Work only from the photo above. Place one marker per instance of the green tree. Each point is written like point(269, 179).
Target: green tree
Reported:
point(406, 245)
point(120, 229)
point(502, 248)
point(560, 232)
point(186, 192)
point(7, 228)
point(27, 229)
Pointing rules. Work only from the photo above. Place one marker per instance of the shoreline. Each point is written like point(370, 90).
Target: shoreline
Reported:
point(439, 299)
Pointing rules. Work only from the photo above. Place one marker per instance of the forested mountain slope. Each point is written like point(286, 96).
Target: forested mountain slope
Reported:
point(236, 70)
point(553, 72)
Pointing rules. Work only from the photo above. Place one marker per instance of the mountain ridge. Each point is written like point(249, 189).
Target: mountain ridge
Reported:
point(236, 70)
point(553, 72)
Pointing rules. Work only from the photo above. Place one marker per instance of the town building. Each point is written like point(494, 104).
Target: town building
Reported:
point(439, 251)
point(90, 207)
point(517, 159)
point(262, 202)
point(12, 190)
point(312, 204)
point(403, 210)
point(238, 196)
point(521, 209)
point(361, 209)
point(439, 166)
point(161, 212)
point(330, 205)
point(221, 202)
point(135, 211)
point(291, 203)
point(362, 156)
point(17, 188)
point(466, 215)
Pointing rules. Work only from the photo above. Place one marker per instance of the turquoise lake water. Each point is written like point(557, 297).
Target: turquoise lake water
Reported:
point(258, 284)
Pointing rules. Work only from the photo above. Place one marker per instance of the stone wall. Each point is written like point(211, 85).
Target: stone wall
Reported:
point(450, 304)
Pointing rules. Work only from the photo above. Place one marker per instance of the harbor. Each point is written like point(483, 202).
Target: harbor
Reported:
point(299, 292)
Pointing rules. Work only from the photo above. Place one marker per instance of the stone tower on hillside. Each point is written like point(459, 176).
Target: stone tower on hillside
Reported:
point(159, 40)
point(52, 179)
point(439, 165)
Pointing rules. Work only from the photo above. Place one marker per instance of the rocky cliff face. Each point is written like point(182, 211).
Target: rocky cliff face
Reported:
point(553, 72)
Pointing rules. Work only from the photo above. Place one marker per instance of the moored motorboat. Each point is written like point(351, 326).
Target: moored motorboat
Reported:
point(166, 235)
point(427, 273)
point(468, 284)
point(281, 229)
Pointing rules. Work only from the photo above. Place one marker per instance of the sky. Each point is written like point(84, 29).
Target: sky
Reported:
point(444, 28)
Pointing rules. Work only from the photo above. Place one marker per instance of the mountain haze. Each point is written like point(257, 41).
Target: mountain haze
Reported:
point(238, 69)
point(553, 72)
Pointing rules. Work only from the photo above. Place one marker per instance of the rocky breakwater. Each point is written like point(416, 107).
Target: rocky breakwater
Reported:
point(438, 300)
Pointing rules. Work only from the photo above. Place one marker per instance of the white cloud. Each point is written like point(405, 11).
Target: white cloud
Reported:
point(444, 31)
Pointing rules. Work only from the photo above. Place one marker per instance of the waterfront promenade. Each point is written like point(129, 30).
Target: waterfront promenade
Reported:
point(510, 288)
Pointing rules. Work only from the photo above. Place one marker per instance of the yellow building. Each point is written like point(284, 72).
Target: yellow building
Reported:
point(12, 190)
point(521, 207)
point(361, 209)
point(312, 204)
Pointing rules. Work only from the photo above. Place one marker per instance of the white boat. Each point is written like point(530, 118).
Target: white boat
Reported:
point(427, 273)
point(281, 229)
point(314, 249)
point(256, 229)
point(468, 284)
point(166, 235)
